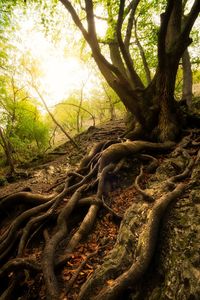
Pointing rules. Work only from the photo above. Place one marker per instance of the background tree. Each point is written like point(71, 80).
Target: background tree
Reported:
point(24, 128)
point(82, 116)
point(6, 147)
point(34, 73)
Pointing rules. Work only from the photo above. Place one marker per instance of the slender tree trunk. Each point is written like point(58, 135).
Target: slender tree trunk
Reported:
point(187, 78)
point(54, 119)
point(110, 103)
point(78, 117)
point(7, 151)
point(48, 111)
point(82, 108)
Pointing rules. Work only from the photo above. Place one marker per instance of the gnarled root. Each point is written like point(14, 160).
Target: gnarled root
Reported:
point(82, 188)
point(144, 253)
point(106, 280)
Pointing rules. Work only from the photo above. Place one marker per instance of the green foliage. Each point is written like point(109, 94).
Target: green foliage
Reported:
point(3, 181)
point(21, 120)
point(196, 76)
point(105, 104)
point(66, 112)
point(102, 105)
point(29, 125)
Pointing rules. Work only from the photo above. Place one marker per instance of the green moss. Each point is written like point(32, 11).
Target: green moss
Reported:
point(3, 181)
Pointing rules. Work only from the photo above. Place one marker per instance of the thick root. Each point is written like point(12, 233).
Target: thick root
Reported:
point(86, 187)
point(145, 250)
point(116, 152)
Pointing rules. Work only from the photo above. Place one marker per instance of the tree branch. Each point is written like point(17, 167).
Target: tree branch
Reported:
point(142, 54)
point(174, 25)
point(82, 108)
point(184, 40)
point(99, 58)
point(165, 17)
point(191, 18)
point(129, 28)
point(75, 18)
point(115, 54)
point(126, 55)
point(112, 74)
point(91, 23)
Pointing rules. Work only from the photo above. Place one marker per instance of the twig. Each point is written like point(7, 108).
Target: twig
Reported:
point(111, 210)
point(75, 275)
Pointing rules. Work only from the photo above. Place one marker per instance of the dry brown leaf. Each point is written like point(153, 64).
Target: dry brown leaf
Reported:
point(89, 266)
point(67, 277)
point(82, 273)
point(110, 282)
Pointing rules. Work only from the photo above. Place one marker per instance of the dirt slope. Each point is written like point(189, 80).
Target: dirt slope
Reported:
point(42, 173)
point(174, 271)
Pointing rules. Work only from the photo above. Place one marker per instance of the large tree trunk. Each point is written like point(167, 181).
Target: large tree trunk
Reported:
point(160, 115)
point(162, 89)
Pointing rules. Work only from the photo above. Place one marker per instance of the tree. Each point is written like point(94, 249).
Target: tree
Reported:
point(5, 145)
point(53, 118)
point(24, 131)
point(187, 78)
point(73, 118)
point(111, 100)
point(153, 107)
point(33, 84)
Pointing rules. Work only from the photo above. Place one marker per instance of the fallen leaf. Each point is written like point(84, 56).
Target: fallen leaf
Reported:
point(110, 282)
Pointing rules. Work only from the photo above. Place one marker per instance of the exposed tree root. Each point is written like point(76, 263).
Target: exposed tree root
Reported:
point(24, 198)
point(17, 264)
point(145, 250)
point(86, 187)
point(141, 191)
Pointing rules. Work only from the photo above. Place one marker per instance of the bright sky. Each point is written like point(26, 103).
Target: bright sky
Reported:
point(62, 76)
point(61, 72)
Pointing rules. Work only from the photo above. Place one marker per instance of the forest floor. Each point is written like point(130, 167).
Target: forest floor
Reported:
point(44, 174)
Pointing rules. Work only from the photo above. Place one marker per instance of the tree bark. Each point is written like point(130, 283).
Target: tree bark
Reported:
point(187, 78)
point(7, 151)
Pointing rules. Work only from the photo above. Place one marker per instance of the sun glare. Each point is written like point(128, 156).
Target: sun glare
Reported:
point(61, 74)
point(61, 77)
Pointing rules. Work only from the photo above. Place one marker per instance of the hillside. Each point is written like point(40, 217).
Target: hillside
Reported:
point(42, 172)
point(119, 235)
